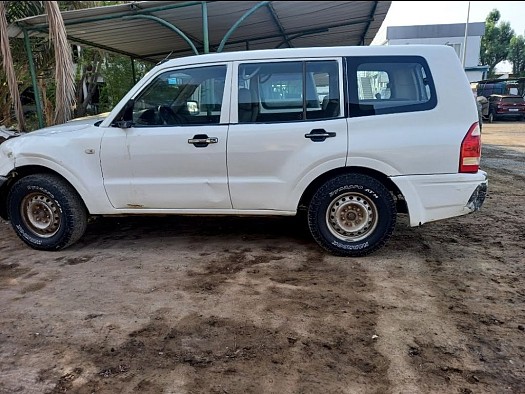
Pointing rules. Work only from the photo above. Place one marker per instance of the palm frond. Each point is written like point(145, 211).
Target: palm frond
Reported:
point(9, 68)
point(22, 9)
point(64, 71)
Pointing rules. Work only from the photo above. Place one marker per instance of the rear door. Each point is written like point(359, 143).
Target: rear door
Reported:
point(287, 128)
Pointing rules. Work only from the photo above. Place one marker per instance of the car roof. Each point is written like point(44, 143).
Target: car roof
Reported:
point(313, 52)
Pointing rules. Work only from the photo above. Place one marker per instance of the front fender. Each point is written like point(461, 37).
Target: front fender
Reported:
point(88, 185)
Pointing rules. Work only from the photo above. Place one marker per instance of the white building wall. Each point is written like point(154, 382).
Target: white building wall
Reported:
point(473, 46)
point(474, 76)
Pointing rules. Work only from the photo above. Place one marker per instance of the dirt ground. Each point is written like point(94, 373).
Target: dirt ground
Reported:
point(244, 305)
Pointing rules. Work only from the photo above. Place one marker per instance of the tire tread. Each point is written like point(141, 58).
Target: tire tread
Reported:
point(338, 181)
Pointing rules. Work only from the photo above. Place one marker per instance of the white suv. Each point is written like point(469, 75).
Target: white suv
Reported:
point(352, 135)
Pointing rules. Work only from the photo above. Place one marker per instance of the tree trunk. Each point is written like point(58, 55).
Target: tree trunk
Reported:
point(9, 69)
point(64, 71)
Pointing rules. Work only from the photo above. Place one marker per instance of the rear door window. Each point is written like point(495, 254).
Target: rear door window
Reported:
point(288, 91)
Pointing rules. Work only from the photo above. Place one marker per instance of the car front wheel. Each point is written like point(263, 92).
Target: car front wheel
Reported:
point(352, 215)
point(46, 212)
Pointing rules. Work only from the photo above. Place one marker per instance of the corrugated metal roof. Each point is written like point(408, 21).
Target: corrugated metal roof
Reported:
point(284, 23)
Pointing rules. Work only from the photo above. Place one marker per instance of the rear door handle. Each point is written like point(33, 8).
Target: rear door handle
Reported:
point(319, 135)
point(202, 140)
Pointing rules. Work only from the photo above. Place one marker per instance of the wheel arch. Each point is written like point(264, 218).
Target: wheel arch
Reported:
point(21, 172)
point(385, 180)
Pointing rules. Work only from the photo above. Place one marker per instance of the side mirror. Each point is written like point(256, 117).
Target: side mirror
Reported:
point(193, 107)
point(123, 124)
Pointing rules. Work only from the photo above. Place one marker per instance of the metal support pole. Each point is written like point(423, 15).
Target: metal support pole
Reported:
point(133, 74)
point(238, 23)
point(34, 81)
point(205, 33)
point(166, 24)
point(464, 54)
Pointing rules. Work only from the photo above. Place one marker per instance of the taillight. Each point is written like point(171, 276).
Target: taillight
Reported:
point(470, 154)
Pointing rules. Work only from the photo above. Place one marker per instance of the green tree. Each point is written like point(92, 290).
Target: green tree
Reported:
point(495, 42)
point(118, 78)
point(517, 55)
point(45, 57)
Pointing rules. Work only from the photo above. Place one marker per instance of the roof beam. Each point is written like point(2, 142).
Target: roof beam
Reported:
point(293, 35)
point(306, 33)
point(119, 15)
point(370, 19)
point(327, 27)
point(110, 49)
point(245, 16)
point(168, 25)
point(277, 22)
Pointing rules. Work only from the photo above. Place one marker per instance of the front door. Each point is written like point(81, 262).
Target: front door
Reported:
point(174, 155)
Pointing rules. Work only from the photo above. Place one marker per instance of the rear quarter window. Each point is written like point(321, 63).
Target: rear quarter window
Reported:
point(389, 84)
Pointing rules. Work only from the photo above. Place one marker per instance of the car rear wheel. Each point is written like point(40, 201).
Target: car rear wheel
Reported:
point(46, 212)
point(352, 215)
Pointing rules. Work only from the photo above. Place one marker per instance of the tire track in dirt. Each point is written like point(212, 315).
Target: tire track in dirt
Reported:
point(272, 315)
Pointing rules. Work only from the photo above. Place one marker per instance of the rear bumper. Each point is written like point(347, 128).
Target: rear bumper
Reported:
point(478, 197)
point(442, 196)
point(505, 115)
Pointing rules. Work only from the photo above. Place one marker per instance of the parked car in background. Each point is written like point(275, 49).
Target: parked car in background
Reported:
point(506, 106)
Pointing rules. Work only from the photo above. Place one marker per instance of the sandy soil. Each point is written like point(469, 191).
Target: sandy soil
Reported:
point(243, 305)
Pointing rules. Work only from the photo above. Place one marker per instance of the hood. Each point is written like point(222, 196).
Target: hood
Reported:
point(72, 125)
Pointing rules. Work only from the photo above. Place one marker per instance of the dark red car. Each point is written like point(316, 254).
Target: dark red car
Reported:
point(506, 106)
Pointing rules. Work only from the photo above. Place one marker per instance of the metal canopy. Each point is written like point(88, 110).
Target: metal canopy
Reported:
point(151, 30)
point(155, 30)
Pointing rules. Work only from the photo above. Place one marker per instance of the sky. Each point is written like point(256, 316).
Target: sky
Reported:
point(408, 13)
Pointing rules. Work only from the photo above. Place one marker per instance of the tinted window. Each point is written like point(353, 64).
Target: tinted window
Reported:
point(288, 91)
point(512, 99)
point(182, 97)
point(389, 84)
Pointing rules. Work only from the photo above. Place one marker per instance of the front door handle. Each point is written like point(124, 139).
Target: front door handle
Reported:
point(202, 140)
point(319, 135)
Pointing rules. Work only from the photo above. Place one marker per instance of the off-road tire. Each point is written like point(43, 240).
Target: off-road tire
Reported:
point(352, 215)
point(46, 212)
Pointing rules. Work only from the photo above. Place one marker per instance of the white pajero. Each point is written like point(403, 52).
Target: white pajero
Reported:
point(350, 135)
